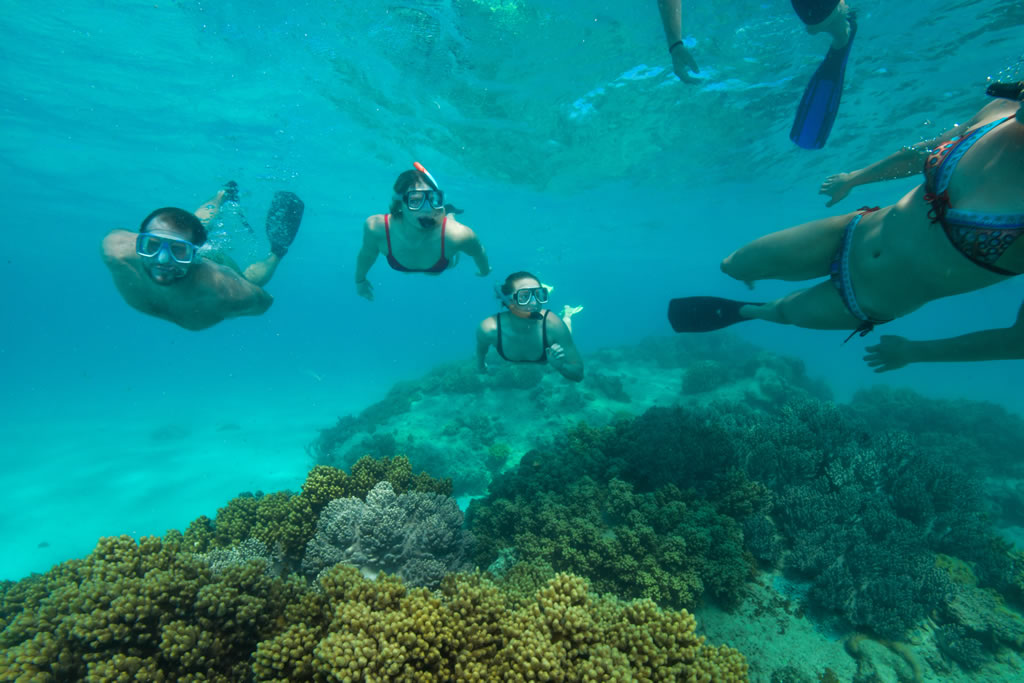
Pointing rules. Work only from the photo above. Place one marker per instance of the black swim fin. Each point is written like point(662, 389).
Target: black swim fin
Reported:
point(704, 313)
point(283, 221)
point(820, 103)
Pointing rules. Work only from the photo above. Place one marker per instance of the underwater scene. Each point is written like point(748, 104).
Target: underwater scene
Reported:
point(511, 340)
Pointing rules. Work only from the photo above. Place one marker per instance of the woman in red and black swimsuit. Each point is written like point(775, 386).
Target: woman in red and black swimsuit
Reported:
point(954, 233)
point(417, 235)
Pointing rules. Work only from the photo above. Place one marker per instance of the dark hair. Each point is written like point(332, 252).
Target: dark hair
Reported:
point(404, 181)
point(180, 219)
point(506, 288)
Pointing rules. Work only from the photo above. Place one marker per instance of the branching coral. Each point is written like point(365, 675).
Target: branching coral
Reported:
point(663, 545)
point(150, 611)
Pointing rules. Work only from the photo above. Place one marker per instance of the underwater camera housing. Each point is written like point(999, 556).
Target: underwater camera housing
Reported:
point(1006, 91)
point(1009, 91)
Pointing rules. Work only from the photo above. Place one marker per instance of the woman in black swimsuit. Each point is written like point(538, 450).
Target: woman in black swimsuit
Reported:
point(528, 333)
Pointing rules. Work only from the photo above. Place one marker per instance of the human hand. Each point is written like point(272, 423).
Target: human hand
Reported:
point(683, 63)
point(483, 272)
point(838, 186)
point(556, 354)
point(890, 353)
point(482, 369)
point(365, 290)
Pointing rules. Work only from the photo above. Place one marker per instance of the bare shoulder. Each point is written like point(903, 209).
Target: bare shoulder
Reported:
point(374, 224)
point(557, 329)
point(458, 232)
point(488, 326)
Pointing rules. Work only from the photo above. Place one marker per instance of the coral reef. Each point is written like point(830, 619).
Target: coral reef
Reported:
point(415, 536)
point(663, 545)
point(284, 522)
point(150, 611)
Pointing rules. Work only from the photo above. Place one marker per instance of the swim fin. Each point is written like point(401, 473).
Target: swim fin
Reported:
point(283, 221)
point(704, 313)
point(820, 103)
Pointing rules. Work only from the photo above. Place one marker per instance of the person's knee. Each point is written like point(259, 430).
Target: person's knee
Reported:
point(738, 268)
point(728, 266)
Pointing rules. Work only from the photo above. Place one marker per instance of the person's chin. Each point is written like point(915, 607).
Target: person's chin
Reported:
point(163, 277)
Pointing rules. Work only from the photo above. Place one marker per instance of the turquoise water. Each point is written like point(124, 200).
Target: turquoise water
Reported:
point(555, 124)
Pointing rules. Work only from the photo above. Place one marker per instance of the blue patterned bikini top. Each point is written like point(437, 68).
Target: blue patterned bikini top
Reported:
point(981, 237)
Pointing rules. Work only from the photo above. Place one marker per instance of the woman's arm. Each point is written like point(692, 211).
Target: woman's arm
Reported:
point(470, 244)
point(904, 163)
point(672, 21)
point(365, 259)
point(483, 343)
point(562, 352)
point(892, 352)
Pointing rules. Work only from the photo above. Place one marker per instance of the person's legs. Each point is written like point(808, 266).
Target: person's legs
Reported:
point(259, 273)
point(210, 208)
point(817, 308)
point(835, 24)
point(803, 252)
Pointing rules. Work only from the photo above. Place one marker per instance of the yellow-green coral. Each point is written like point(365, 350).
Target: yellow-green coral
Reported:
point(152, 611)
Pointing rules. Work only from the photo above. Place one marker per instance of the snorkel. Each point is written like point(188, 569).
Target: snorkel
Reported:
point(1008, 91)
point(427, 222)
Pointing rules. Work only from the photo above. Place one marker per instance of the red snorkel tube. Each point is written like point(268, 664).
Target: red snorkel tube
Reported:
point(430, 179)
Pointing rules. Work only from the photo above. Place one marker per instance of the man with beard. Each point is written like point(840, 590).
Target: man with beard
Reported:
point(417, 235)
point(164, 271)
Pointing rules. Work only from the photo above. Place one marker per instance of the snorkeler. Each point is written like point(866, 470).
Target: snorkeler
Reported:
point(956, 232)
point(527, 333)
point(417, 235)
point(165, 271)
point(820, 103)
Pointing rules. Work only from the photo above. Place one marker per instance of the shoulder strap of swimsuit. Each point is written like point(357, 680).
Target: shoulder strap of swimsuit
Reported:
point(544, 337)
point(444, 221)
point(497, 340)
point(387, 232)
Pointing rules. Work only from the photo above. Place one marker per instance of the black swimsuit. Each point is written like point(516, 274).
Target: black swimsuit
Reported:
point(543, 351)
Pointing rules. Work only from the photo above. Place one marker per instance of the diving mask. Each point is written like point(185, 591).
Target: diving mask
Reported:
point(522, 297)
point(414, 199)
point(164, 248)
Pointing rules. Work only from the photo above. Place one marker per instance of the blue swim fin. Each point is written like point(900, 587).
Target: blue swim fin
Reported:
point(705, 313)
point(820, 103)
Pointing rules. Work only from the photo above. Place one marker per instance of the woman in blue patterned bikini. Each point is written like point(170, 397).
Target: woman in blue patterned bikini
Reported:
point(954, 233)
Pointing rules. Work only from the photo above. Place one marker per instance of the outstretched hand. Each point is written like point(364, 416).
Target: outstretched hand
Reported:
point(890, 353)
point(683, 63)
point(837, 186)
point(365, 290)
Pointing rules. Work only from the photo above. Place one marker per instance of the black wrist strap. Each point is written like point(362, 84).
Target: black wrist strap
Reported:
point(674, 46)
